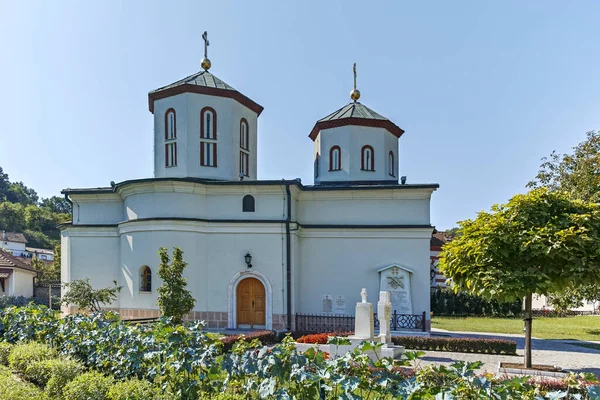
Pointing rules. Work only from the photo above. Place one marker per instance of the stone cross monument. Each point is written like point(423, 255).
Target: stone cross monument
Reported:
point(384, 314)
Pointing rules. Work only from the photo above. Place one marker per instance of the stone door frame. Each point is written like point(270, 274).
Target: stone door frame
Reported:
point(232, 298)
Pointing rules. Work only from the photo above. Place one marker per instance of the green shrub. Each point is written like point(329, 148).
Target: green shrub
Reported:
point(25, 354)
point(460, 345)
point(53, 374)
point(88, 386)
point(134, 389)
point(11, 389)
point(5, 349)
point(223, 396)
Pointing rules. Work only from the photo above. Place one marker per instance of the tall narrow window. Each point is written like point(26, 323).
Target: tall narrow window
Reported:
point(367, 158)
point(335, 158)
point(244, 148)
point(316, 166)
point(391, 164)
point(208, 137)
point(170, 125)
point(145, 279)
point(170, 137)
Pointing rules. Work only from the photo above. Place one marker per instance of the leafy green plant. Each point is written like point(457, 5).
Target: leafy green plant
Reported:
point(80, 293)
point(134, 389)
point(5, 349)
point(25, 354)
point(53, 374)
point(88, 386)
point(174, 299)
point(11, 389)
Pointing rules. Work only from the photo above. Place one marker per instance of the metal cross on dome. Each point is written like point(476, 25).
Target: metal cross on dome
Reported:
point(354, 76)
point(206, 43)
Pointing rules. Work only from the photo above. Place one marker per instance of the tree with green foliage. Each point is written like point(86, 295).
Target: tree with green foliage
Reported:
point(4, 185)
point(81, 294)
point(540, 242)
point(174, 299)
point(56, 204)
point(577, 173)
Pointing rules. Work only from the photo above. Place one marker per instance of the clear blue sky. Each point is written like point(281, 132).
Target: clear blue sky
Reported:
point(484, 89)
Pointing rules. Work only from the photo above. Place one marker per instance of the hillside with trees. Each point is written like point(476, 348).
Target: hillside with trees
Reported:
point(21, 210)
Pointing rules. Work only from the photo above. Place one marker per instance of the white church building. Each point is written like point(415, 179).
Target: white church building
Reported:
point(259, 252)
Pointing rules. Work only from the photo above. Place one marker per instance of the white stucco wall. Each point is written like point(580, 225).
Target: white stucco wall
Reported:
point(341, 262)
point(22, 283)
point(187, 110)
point(351, 140)
point(97, 209)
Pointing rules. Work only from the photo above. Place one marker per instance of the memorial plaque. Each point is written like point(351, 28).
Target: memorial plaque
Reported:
point(340, 304)
point(327, 304)
point(396, 280)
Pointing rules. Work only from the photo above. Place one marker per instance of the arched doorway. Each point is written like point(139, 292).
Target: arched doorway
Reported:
point(251, 304)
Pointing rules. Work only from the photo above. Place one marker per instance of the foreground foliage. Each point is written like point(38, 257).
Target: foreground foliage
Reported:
point(170, 361)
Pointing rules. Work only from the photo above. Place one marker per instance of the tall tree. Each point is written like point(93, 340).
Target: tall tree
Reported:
point(4, 185)
point(577, 173)
point(57, 204)
point(539, 242)
point(174, 299)
point(19, 193)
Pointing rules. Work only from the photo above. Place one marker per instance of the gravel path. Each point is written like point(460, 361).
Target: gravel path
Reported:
point(561, 353)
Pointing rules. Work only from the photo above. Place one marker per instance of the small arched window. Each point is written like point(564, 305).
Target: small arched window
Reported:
point(145, 279)
point(391, 164)
point(248, 203)
point(335, 158)
point(208, 137)
point(170, 125)
point(367, 158)
point(244, 142)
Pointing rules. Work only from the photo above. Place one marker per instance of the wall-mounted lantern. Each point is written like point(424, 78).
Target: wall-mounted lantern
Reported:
point(248, 259)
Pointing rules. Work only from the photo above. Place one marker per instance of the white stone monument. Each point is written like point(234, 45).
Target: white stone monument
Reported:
point(363, 319)
point(396, 280)
point(384, 314)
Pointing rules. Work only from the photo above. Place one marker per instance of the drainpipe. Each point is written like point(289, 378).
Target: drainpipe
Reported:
point(288, 256)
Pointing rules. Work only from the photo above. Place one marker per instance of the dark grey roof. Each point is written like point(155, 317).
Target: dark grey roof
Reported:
point(13, 237)
point(202, 78)
point(353, 110)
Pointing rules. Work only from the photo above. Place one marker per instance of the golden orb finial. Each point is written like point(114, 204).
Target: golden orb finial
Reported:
point(205, 62)
point(355, 93)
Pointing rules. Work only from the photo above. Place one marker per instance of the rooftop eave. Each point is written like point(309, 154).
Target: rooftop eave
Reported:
point(210, 91)
point(373, 123)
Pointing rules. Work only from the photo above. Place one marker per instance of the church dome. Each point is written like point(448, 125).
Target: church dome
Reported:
point(202, 82)
point(356, 114)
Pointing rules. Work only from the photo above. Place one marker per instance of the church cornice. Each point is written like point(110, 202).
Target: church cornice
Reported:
point(210, 91)
point(353, 121)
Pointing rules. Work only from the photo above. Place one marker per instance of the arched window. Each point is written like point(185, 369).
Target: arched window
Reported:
point(316, 166)
point(145, 279)
point(367, 159)
point(248, 203)
point(170, 124)
point(208, 137)
point(244, 148)
point(335, 158)
point(391, 164)
point(170, 136)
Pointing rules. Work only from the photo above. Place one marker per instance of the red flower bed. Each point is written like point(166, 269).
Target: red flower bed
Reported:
point(320, 338)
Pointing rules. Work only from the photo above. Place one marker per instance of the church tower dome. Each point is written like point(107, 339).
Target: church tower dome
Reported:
point(355, 145)
point(204, 128)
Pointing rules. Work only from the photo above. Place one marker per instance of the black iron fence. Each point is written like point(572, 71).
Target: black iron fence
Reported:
point(315, 323)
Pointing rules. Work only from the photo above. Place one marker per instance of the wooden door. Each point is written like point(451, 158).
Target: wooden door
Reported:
point(251, 305)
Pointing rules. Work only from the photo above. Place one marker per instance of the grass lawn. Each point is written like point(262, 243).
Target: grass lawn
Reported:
point(578, 328)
